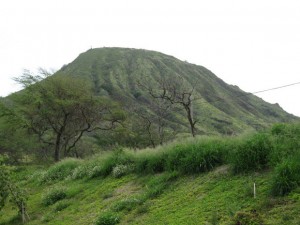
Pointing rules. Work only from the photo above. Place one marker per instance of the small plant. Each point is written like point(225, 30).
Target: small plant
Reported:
point(107, 218)
point(150, 163)
point(60, 170)
point(54, 195)
point(287, 177)
point(79, 173)
point(121, 170)
point(48, 217)
point(142, 209)
point(61, 205)
point(127, 204)
point(247, 218)
point(96, 171)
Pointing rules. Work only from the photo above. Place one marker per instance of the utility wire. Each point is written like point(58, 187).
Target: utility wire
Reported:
point(256, 92)
point(275, 88)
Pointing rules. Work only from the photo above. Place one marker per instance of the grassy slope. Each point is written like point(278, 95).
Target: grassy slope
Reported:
point(186, 182)
point(201, 199)
point(116, 72)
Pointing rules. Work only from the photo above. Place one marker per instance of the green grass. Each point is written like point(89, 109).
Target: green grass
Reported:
point(195, 181)
point(162, 199)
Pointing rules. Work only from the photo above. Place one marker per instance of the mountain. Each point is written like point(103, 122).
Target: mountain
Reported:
point(220, 108)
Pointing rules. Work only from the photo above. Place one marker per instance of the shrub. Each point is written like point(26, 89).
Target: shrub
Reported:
point(249, 218)
point(104, 165)
point(119, 157)
point(60, 170)
point(127, 204)
point(107, 218)
point(286, 141)
point(121, 170)
point(195, 157)
point(54, 195)
point(252, 154)
point(149, 163)
point(287, 177)
point(61, 205)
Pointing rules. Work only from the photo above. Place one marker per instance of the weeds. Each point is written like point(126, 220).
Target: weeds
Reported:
point(107, 218)
point(252, 154)
point(287, 177)
point(60, 171)
point(54, 195)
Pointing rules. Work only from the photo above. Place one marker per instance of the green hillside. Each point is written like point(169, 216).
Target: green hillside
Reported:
point(198, 181)
point(107, 140)
point(219, 108)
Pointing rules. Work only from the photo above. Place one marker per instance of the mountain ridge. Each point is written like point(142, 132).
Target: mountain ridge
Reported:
point(223, 108)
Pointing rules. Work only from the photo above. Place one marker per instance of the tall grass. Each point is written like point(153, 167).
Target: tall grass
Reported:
point(286, 177)
point(60, 170)
point(286, 141)
point(252, 154)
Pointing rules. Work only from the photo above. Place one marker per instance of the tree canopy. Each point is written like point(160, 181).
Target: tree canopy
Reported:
point(59, 110)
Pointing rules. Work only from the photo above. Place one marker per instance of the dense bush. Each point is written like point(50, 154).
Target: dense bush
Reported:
point(247, 153)
point(121, 170)
point(248, 218)
point(252, 154)
point(60, 170)
point(195, 157)
point(286, 141)
point(150, 162)
point(107, 164)
point(107, 218)
point(287, 176)
point(54, 195)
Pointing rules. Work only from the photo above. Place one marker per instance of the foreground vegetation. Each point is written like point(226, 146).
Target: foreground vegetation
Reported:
point(198, 181)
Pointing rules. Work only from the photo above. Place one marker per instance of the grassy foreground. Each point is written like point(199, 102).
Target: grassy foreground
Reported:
point(202, 181)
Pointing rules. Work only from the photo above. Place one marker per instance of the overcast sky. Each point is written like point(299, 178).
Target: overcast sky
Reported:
point(254, 44)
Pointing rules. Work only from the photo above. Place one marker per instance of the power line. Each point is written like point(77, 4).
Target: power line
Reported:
point(256, 92)
point(275, 88)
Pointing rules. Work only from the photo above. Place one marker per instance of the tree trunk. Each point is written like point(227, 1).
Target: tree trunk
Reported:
point(190, 118)
point(57, 148)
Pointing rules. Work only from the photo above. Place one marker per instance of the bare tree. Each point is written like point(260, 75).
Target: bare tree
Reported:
point(176, 91)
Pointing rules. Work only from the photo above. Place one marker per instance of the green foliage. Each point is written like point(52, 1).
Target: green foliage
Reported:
point(61, 205)
point(195, 157)
point(59, 109)
point(8, 188)
point(248, 218)
point(159, 183)
point(150, 162)
point(116, 72)
point(108, 218)
point(60, 170)
point(286, 141)
point(252, 154)
point(121, 170)
point(286, 177)
point(54, 195)
point(110, 161)
point(127, 204)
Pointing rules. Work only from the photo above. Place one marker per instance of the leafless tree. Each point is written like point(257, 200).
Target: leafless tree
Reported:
point(176, 90)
